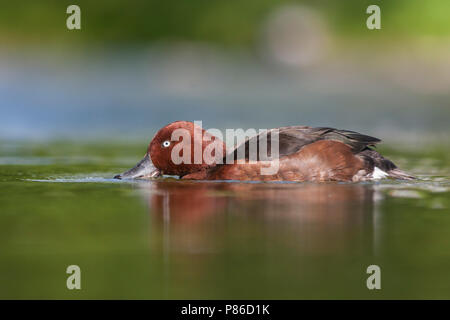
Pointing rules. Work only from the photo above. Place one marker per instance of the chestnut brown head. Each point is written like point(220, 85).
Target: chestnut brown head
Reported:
point(183, 147)
point(180, 148)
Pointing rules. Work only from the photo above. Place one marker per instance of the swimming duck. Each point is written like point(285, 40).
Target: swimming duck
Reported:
point(304, 154)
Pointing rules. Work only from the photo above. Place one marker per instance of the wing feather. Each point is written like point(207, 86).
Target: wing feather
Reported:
point(292, 139)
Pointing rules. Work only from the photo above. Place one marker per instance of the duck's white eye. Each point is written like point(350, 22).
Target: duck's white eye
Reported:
point(166, 143)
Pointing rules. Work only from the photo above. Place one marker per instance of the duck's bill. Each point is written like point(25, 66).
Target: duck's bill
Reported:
point(143, 170)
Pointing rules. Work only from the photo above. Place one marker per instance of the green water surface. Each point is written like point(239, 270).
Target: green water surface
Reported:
point(196, 240)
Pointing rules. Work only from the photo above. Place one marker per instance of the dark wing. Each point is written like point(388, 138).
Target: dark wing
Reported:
point(292, 139)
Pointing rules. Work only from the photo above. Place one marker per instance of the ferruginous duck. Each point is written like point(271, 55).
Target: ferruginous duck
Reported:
point(301, 153)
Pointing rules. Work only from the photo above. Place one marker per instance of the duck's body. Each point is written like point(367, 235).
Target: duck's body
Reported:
point(311, 154)
point(304, 154)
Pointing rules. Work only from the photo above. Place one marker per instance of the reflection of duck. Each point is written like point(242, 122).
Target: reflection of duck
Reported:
point(312, 216)
point(304, 154)
point(191, 202)
point(188, 202)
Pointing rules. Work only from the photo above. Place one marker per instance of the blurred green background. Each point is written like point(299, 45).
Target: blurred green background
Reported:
point(224, 22)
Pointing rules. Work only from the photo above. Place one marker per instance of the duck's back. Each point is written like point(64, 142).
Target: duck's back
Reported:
point(307, 154)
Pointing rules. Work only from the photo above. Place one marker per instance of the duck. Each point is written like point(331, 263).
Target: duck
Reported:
point(304, 154)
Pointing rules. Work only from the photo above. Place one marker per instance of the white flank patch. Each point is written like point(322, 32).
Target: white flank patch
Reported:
point(378, 173)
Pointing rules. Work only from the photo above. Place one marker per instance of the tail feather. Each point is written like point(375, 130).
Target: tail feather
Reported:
point(399, 174)
point(375, 160)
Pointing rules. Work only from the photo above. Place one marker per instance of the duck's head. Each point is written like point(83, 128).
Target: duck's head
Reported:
point(180, 148)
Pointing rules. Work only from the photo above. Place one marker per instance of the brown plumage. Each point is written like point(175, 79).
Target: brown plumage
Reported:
point(305, 154)
point(319, 161)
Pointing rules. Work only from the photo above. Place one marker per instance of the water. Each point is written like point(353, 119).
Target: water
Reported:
point(181, 239)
